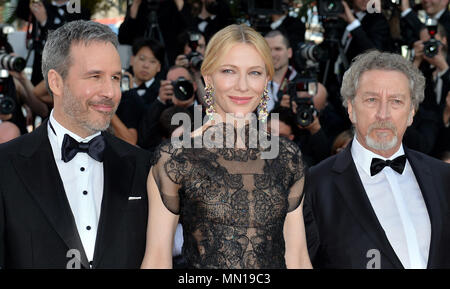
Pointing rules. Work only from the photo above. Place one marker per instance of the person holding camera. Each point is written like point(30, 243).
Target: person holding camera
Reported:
point(45, 16)
point(311, 139)
point(178, 89)
point(424, 132)
point(16, 91)
point(434, 9)
point(191, 47)
point(292, 27)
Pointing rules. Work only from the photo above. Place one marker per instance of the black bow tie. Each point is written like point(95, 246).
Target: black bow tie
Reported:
point(398, 165)
point(94, 148)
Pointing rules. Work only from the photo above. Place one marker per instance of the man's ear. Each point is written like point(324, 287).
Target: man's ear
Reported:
point(290, 53)
point(55, 82)
point(350, 111)
point(411, 116)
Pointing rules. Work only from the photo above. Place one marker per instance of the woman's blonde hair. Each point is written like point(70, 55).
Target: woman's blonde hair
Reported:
point(226, 38)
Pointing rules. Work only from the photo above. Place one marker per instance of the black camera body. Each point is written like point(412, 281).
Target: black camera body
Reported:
point(195, 59)
point(7, 103)
point(431, 47)
point(305, 107)
point(183, 89)
point(330, 8)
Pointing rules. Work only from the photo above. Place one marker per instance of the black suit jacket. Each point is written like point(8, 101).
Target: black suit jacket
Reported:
point(37, 227)
point(341, 225)
point(373, 33)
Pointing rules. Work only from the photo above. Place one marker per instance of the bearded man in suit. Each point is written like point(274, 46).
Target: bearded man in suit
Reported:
point(72, 195)
point(378, 204)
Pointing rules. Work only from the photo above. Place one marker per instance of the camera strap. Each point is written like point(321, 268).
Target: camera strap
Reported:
point(284, 82)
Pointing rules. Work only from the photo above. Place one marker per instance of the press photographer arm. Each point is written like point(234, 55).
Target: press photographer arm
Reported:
point(25, 94)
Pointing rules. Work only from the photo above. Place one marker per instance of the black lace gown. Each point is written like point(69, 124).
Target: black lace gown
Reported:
point(232, 203)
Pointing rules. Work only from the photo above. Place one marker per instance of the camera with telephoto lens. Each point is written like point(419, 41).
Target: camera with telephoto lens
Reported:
point(305, 107)
point(7, 104)
point(195, 59)
point(431, 47)
point(311, 51)
point(330, 8)
point(183, 89)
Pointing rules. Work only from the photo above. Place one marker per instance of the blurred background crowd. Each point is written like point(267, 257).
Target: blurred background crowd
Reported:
point(162, 48)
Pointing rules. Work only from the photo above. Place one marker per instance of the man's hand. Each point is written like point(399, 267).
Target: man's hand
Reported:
point(314, 127)
point(5, 117)
point(134, 8)
point(182, 60)
point(165, 91)
point(347, 15)
point(38, 10)
point(418, 52)
point(446, 115)
point(285, 101)
point(438, 60)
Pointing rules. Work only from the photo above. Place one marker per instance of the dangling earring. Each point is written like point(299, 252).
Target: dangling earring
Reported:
point(262, 108)
point(209, 101)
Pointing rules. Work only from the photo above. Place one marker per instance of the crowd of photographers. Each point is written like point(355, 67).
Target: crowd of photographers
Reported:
point(169, 38)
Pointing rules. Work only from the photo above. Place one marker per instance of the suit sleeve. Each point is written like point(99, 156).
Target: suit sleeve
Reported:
point(2, 231)
point(411, 27)
point(372, 36)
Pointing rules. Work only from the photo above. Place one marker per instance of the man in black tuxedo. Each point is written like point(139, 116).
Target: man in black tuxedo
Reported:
point(46, 16)
point(72, 195)
point(378, 204)
point(411, 25)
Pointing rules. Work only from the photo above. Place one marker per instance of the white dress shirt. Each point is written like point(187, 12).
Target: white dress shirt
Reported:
point(148, 83)
point(82, 178)
point(399, 206)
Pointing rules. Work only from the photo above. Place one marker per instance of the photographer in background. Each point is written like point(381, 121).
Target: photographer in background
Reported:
point(177, 90)
point(191, 49)
point(210, 16)
point(146, 63)
point(434, 9)
point(16, 90)
point(173, 16)
point(428, 130)
point(44, 16)
point(292, 27)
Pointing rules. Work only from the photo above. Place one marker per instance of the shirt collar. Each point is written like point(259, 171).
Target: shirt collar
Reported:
point(363, 157)
point(59, 5)
point(60, 131)
point(439, 14)
point(360, 15)
point(277, 23)
point(147, 83)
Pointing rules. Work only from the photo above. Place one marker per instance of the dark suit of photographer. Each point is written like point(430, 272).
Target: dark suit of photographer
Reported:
point(411, 25)
point(429, 122)
point(149, 135)
point(45, 16)
point(173, 17)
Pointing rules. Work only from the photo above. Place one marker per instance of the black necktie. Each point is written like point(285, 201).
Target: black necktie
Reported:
point(94, 148)
point(398, 165)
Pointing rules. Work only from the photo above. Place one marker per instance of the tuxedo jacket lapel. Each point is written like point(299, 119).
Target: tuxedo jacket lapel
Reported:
point(118, 178)
point(430, 195)
point(37, 168)
point(352, 191)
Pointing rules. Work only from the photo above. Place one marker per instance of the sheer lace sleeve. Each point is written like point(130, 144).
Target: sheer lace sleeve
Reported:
point(169, 169)
point(296, 170)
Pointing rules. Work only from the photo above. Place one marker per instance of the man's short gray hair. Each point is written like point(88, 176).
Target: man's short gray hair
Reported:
point(56, 54)
point(376, 60)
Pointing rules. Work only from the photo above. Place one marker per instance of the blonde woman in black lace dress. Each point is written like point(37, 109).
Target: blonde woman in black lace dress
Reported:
point(238, 208)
